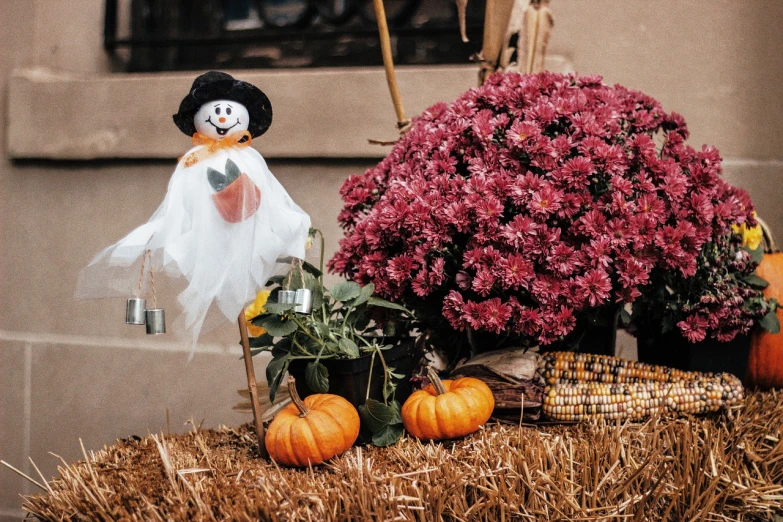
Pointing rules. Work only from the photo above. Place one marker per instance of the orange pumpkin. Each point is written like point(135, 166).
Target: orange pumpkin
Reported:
point(447, 409)
point(312, 431)
point(765, 363)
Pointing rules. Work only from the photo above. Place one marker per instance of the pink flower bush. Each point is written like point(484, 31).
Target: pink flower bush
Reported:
point(534, 199)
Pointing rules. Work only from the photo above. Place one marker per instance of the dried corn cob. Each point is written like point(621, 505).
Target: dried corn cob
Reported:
point(574, 368)
point(594, 400)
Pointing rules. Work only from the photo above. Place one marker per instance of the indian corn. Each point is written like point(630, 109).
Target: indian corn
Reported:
point(572, 368)
point(585, 386)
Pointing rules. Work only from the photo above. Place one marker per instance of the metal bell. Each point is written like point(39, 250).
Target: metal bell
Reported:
point(304, 301)
point(156, 321)
point(134, 311)
point(286, 297)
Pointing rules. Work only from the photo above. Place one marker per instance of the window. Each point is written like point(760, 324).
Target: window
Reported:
point(164, 35)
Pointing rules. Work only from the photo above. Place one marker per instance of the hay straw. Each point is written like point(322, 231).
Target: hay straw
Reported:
point(721, 467)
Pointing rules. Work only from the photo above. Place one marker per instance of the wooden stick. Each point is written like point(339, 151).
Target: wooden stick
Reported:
point(251, 384)
point(531, 22)
point(496, 17)
point(403, 123)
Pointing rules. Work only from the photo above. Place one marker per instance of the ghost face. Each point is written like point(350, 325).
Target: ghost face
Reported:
point(219, 118)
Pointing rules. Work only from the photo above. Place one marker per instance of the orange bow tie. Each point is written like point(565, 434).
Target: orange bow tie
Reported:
point(239, 140)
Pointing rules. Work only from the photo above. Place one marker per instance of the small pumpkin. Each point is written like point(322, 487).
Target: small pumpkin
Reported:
point(312, 431)
point(765, 362)
point(447, 409)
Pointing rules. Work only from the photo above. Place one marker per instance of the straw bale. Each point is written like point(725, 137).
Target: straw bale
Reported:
point(726, 466)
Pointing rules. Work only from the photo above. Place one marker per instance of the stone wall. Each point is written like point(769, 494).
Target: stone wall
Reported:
point(71, 370)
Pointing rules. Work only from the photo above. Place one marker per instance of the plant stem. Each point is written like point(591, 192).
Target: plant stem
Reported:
point(345, 319)
point(362, 339)
point(294, 341)
point(369, 380)
point(305, 330)
point(321, 279)
point(311, 356)
point(300, 405)
point(385, 376)
point(432, 375)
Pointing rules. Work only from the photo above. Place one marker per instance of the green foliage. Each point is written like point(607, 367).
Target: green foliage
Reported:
point(317, 377)
point(346, 291)
point(383, 420)
point(341, 326)
point(755, 281)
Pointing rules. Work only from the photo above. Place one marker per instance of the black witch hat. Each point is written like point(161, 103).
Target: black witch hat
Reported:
point(215, 85)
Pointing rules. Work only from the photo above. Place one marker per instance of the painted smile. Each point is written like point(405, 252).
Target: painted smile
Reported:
point(220, 130)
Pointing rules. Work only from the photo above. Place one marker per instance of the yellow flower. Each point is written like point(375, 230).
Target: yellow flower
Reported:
point(751, 237)
point(254, 310)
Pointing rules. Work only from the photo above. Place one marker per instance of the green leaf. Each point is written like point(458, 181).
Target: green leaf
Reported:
point(362, 321)
point(274, 374)
point(384, 422)
point(756, 255)
point(667, 324)
point(389, 388)
point(770, 322)
point(261, 341)
point(317, 377)
point(279, 308)
point(346, 291)
point(257, 320)
point(321, 329)
point(390, 329)
point(376, 415)
point(318, 297)
point(277, 326)
point(356, 313)
point(275, 280)
point(383, 303)
point(625, 317)
point(396, 412)
point(282, 347)
point(310, 268)
point(388, 435)
point(755, 281)
point(364, 294)
point(348, 347)
point(295, 282)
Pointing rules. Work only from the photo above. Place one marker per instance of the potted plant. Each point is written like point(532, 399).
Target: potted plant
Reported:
point(703, 322)
point(533, 210)
point(351, 343)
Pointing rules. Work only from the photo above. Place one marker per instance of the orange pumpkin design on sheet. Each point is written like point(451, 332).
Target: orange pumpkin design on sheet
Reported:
point(236, 197)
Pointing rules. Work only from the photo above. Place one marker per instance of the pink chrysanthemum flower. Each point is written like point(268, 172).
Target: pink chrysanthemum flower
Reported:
point(534, 199)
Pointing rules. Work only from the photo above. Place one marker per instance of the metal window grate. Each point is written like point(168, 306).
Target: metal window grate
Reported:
point(164, 35)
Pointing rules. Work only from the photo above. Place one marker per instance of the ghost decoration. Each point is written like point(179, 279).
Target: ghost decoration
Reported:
point(226, 224)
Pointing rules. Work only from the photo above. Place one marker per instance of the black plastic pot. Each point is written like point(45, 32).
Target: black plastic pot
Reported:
point(348, 378)
point(596, 334)
point(673, 350)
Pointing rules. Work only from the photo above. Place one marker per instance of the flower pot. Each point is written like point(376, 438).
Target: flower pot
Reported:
point(599, 339)
point(673, 350)
point(239, 200)
point(596, 334)
point(348, 378)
